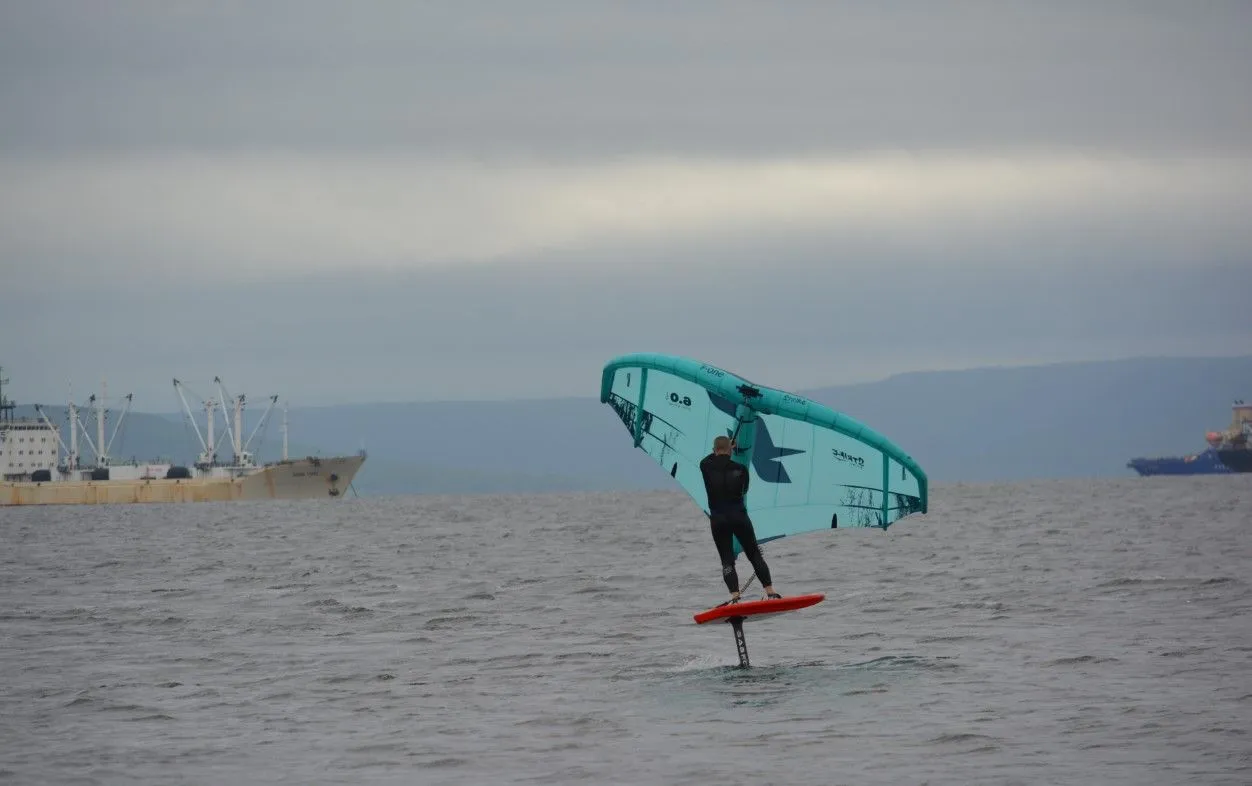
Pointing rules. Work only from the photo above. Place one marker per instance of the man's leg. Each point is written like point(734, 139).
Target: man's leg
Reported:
point(725, 551)
point(743, 530)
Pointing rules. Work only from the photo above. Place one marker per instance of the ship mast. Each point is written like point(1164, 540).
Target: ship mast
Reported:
point(71, 452)
point(243, 454)
point(207, 458)
point(210, 449)
point(284, 431)
point(102, 453)
point(71, 461)
point(237, 435)
point(233, 434)
point(6, 406)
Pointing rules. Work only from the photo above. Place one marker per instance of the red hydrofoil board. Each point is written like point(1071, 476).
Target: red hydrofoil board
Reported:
point(745, 609)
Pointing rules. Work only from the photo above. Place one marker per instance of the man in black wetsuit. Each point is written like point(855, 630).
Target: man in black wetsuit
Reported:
point(726, 482)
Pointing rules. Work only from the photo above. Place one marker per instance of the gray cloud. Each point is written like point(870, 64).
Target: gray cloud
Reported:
point(596, 79)
point(194, 219)
point(414, 201)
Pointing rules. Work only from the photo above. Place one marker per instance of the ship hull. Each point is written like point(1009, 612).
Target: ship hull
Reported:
point(1206, 463)
point(322, 478)
point(1237, 460)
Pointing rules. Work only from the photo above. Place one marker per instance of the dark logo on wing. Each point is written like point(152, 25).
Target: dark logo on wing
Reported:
point(847, 458)
point(766, 455)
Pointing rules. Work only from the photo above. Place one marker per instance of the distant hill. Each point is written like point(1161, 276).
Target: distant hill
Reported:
point(1063, 420)
point(1055, 421)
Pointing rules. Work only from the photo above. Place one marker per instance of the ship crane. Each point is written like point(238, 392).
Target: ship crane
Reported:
point(100, 448)
point(71, 452)
point(243, 457)
point(243, 454)
point(208, 450)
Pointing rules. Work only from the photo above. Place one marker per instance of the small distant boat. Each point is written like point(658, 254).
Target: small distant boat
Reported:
point(1228, 451)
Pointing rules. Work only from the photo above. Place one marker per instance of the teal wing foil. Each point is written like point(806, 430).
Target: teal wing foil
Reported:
point(811, 468)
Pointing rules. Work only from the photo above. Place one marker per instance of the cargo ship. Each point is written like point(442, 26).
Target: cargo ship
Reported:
point(1228, 451)
point(38, 467)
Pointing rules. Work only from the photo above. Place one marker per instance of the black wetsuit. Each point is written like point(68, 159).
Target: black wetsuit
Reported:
point(726, 482)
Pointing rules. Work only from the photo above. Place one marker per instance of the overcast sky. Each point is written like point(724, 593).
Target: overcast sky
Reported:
point(410, 201)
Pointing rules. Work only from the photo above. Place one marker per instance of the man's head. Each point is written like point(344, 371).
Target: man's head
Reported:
point(722, 446)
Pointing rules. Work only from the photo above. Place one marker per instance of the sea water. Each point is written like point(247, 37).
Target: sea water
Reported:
point(1085, 632)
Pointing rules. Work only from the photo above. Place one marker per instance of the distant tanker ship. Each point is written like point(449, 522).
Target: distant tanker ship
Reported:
point(1228, 451)
point(39, 468)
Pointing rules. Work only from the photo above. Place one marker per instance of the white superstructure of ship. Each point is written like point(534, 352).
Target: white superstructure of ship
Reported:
point(33, 470)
